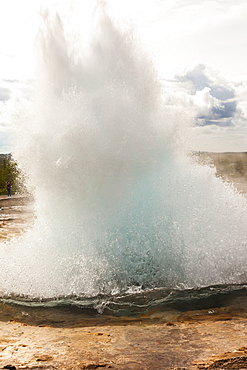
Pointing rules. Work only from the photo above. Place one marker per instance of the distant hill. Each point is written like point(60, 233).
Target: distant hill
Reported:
point(230, 165)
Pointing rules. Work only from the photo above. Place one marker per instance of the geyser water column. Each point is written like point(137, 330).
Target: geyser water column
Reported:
point(118, 204)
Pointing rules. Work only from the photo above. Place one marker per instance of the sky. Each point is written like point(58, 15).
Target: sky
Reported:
point(199, 48)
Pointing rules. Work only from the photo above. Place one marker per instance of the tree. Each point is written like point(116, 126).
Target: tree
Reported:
point(11, 172)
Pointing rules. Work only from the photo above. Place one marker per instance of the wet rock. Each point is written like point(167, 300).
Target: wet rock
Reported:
point(94, 366)
point(44, 358)
point(229, 363)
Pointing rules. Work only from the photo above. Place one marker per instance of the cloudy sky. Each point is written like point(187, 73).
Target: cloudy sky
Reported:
point(199, 48)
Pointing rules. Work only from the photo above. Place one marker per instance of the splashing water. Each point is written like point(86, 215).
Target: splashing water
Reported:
point(119, 206)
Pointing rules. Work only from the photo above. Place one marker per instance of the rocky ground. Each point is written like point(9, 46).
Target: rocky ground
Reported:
point(211, 339)
point(198, 340)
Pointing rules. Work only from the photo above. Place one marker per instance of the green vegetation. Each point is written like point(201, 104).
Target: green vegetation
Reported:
point(9, 171)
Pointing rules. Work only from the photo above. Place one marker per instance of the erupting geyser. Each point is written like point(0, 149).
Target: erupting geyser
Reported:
point(119, 205)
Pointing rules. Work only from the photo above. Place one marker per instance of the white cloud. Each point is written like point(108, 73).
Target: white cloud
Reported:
point(213, 97)
point(205, 103)
point(219, 107)
point(5, 94)
point(241, 91)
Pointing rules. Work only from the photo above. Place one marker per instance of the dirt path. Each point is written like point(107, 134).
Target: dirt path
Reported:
point(16, 215)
